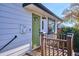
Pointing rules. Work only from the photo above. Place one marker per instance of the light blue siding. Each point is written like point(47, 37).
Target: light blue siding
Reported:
point(11, 17)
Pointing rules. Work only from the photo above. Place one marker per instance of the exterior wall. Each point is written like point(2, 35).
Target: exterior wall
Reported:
point(14, 20)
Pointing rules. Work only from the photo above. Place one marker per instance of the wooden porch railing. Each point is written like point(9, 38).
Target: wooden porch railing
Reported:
point(56, 46)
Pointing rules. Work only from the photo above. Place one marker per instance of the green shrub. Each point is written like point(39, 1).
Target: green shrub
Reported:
point(76, 40)
point(74, 30)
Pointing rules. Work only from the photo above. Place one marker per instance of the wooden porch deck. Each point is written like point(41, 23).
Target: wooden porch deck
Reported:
point(38, 52)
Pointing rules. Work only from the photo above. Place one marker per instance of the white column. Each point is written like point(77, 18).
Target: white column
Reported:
point(55, 36)
point(55, 27)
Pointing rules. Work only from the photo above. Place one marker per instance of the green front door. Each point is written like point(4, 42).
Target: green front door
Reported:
point(35, 31)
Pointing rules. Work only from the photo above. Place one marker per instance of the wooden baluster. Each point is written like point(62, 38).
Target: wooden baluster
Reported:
point(60, 36)
point(42, 35)
point(45, 46)
point(58, 48)
point(63, 48)
point(53, 47)
point(49, 46)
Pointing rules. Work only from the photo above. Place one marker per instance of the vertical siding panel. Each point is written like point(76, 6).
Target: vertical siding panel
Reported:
point(11, 17)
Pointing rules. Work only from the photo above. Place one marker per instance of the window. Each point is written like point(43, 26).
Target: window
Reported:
point(43, 22)
point(51, 26)
point(42, 25)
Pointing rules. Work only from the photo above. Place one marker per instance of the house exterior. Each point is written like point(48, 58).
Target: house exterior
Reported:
point(26, 21)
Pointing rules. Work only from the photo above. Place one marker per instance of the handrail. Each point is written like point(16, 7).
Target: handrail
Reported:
point(57, 40)
point(8, 42)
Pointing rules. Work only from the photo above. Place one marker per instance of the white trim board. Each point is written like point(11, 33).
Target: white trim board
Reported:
point(17, 51)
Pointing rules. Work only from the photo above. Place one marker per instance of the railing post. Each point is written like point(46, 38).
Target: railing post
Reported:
point(45, 45)
point(70, 44)
point(42, 37)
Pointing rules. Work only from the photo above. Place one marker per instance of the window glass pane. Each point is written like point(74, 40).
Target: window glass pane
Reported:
point(51, 26)
point(42, 25)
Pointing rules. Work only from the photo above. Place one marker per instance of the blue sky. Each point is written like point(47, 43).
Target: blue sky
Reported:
point(57, 8)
